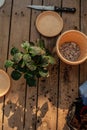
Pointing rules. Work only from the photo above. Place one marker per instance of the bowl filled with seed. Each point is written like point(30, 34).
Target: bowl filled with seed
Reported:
point(71, 47)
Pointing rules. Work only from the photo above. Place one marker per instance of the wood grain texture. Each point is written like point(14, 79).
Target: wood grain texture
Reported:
point(48, 87)
point(31, 98)
point(1, 112)
point(34, 34)
point(83, 67)
point(24, 107)
point(68, 83)
point(15, 100)
point(5, 12)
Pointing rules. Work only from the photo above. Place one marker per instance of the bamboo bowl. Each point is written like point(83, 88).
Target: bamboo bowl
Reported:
point(75, 36)
point(4, 83)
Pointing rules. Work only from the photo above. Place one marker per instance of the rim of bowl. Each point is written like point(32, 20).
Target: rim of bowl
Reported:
point(4, 93)
point(60, 55)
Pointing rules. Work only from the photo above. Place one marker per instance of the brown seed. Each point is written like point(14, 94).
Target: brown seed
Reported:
point(70, 50)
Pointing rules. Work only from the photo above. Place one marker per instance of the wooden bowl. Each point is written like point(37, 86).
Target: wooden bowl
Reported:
point(73, 36)
point(49, 23)
point(4, 83)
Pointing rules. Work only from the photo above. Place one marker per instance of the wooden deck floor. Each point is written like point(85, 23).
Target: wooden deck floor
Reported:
point(24, 106)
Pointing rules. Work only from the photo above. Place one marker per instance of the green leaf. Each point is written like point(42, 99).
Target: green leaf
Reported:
point(44, 64)
point(37, 59)
point(41, 43)
point(51, 60)
point(45, 61)
point(25, 46)
point(20, 66)
point(44, 73)
point(14, 50)
point(23, 64)
point(8, 63)
point(28, 75)
point(34, 50)
point(17, 57)
point(26, 58)
point(31, 66)
point(16, 75)
point(31, 82)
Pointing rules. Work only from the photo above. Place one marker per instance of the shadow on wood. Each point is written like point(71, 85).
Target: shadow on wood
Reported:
point(16, 118)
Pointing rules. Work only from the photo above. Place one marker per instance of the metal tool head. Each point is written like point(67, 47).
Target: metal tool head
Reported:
point(40, 7)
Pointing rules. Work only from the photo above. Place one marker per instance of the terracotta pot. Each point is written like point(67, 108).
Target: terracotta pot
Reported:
point(73, 36)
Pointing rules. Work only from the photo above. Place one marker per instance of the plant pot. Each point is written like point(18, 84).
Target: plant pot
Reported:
point(77, 37)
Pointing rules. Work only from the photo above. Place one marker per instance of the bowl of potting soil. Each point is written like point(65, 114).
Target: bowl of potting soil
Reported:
point(71, 47)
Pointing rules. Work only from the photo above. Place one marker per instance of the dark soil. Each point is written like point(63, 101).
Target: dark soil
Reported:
point(70, 50)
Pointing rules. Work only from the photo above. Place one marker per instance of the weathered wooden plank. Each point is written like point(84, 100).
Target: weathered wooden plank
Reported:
point(4, 32)
point(68, 83)
point(34, 34)
point(1, 113)
point(83, 67)
point(48, 87)
point(15, 100)
point(31, 98)
point(47, 101)
point(84, 16)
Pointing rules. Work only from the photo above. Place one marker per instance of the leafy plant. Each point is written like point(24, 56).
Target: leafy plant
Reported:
point(32, 62)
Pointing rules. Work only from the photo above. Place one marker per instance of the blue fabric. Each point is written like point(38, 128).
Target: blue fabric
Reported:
point(83, 92)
